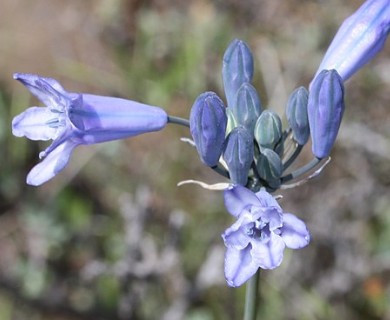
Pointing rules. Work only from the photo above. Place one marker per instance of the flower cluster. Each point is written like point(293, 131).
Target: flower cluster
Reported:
point(249, 143)
point(256, 153)
point(243, 141)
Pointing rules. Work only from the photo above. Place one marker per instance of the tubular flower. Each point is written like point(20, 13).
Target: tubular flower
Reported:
point(71, 119)
point(359, 39)
point(258, 238)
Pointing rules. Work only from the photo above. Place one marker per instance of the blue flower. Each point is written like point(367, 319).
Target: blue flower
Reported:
point(71, 119)
point(258, 238)
point(359, 39)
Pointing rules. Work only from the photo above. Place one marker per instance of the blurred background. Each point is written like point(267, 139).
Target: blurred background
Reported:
point(113, 237)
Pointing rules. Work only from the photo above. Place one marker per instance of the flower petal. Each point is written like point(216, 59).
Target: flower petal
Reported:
point(268, 254)
point(273, 217)
point(52, 164)
point(237, 198)
point(34, 123)
point(294, 232)
point(239, 266)
point(235, 236)
point(267, 200)
point(47, 90)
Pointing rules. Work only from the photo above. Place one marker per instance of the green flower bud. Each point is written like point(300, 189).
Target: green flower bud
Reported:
point(268, 129)
point(247, 107)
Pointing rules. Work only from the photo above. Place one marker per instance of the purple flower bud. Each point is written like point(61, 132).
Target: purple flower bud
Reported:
point(325, 109)
point(238, 154)
point(71, 119)
point(247, 107)
point(297, 117)
point(359, 39)
point(208, 123)
point(237, 69)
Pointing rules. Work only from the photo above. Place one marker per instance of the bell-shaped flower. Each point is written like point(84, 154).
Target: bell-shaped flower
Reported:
point(72, 119)
point(208, 123)
point(259, 236)
point(359, 39)
point(325, 110)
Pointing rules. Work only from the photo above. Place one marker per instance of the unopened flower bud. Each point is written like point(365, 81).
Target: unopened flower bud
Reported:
point(208, 127)
point(268, 129)
point(238, 154)
point(247, 107)
point(325, 110)
point(296, 113)
point(237, 69)
point(270, 167)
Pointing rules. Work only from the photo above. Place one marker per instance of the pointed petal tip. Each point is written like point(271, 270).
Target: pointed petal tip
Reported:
point(21, 76)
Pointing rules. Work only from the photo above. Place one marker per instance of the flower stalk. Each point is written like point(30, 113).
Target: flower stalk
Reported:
point(252, 297)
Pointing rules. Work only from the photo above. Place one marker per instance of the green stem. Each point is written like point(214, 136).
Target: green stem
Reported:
point(180, 121)
point(292, 158)
point(301, 171)
point(252, 297)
